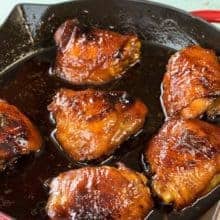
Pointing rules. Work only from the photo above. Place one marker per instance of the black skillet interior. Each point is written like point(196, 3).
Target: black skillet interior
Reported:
point(27, 51)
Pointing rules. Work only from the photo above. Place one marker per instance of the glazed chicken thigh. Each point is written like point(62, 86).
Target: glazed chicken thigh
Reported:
point(99, 193)
point(191, 85)
point(185, 160)
point(91, 124)
point(18, 136)
point(92, 55)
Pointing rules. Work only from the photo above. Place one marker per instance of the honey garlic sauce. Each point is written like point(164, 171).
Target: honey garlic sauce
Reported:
point(30, 87)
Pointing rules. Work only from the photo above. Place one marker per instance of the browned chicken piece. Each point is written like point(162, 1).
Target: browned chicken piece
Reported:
point(185, 160)
point(191, 85)
point(92, 124)
point(18, 136)
point(99, 193)
point(92, 55)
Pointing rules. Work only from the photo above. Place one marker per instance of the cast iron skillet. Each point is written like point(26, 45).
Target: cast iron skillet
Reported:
point(27, 52)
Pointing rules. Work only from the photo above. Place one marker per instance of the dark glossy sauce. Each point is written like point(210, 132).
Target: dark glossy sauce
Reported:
point(29, 86)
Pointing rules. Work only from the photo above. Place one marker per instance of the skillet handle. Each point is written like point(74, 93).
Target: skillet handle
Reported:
point(208, 15)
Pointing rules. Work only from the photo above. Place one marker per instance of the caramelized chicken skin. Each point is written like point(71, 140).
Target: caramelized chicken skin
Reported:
point(191, 85)
point(99, 193)
point(93, 56)
point(91, 124)
point(185, 159)
point(18, 136)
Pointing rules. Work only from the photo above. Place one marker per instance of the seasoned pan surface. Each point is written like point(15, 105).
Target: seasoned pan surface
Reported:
point(27, 84)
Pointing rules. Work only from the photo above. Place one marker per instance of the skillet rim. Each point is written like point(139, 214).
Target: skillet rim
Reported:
point(162, 5)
